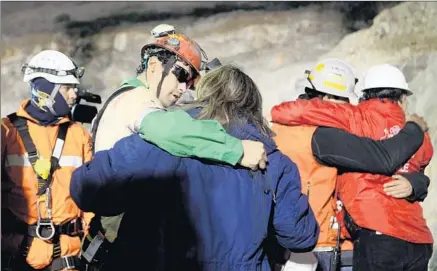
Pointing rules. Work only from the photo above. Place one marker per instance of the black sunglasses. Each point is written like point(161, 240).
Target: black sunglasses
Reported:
point(182, 75)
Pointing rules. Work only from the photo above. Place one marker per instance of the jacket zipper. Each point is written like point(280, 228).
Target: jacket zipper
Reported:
point(308, 190)
point(262, 196)
point(255, 187)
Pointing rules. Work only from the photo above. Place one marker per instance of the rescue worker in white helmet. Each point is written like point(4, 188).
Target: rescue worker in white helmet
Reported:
point(317, 117)
point(169, 65)
point(40, 148)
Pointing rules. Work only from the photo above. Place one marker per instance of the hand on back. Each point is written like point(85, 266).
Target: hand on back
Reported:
point(254, 155)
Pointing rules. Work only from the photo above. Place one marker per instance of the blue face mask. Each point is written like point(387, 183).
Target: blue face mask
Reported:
point(47, 98)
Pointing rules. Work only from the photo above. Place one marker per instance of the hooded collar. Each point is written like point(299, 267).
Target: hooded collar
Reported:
point(30, 112)
point(244, 131)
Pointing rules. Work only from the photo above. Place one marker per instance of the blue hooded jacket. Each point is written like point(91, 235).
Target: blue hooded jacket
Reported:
point(217, 217)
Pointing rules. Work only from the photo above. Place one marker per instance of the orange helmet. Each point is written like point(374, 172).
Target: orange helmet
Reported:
point(187, 49)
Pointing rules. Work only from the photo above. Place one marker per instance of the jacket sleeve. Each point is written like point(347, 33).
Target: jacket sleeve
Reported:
point(4, 136)
point(427, 152)
point(314, 112)
point(350, 153)
point(116, 177)
point(87, 156)
point(5, 132)
point(294, 223)
point(187, 137)
point(419, 182)
point(87, 147)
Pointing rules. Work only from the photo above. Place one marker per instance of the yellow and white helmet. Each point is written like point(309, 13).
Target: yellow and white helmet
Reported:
point(333, 76)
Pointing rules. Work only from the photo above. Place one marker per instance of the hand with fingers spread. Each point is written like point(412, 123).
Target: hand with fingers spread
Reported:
point(399, 188)
point(418, 120)
point(254, 155)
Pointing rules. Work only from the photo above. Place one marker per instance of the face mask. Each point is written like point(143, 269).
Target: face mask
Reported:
point(46, 96)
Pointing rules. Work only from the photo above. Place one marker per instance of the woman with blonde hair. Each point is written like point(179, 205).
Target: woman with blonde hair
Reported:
point(231, 97)
point(218, 216)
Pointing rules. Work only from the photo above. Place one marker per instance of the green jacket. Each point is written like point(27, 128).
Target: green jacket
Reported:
point(178, 133)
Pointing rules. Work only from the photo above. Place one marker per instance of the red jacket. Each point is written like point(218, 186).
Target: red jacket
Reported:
point(362, 194)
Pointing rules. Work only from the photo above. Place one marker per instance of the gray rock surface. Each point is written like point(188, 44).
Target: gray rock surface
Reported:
point(272, 42)
point(406, 36)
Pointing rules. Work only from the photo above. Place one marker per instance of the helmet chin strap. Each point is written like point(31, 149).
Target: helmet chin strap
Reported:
point(167, 67)
point(49, 103)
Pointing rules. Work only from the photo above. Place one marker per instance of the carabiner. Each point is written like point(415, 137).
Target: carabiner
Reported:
point(44, 224)
point(49, 203)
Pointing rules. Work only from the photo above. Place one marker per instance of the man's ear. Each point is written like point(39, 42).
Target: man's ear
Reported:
point(404, 98)
point(153, 63)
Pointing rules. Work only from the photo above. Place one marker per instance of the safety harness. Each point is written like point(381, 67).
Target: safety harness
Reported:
point(126, 85)
point(95, 244)
point(335, 260)
point(44, 228)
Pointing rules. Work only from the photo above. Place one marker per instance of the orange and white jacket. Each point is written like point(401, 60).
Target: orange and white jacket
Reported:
point(19, 193)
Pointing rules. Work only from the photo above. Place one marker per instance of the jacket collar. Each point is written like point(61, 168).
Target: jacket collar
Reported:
point(21, 112)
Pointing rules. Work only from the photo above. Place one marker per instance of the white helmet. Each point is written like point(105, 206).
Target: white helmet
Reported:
point(162, 30)
point(333, 76)
point(385, 76)
point(54, 66)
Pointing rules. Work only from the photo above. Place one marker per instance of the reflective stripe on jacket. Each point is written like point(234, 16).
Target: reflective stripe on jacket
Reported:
point(19, 193)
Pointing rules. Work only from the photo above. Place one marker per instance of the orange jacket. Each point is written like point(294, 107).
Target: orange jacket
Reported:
point(19, 194)
point(318, 182)
point(362, 194)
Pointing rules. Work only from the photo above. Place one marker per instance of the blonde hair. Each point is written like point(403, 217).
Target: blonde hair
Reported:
point(230, 96)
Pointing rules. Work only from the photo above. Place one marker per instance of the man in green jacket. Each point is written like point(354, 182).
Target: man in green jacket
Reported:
point(159, 85)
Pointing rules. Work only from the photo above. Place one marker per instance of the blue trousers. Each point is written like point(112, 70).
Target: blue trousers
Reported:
point(325, 257)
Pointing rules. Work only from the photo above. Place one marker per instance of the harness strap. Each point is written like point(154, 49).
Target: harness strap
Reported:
point(56, 250)
point(21, 125)
point(12, 224)
point(167, 67)
point(95, 249)
point(125, 86)
point(65, 262)
point(72, 228)
point(95, 245)
point(335, 260)
point(59, 262)
point(25, 246)
point(54, 160)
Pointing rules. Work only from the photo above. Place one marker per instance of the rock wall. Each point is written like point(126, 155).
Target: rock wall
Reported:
point(273, 43)
point(406, 36)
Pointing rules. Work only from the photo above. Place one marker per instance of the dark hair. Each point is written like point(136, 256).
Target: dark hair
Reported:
point(393, 94)
point(230, 96)
point(162, 55)
point(312, 93)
